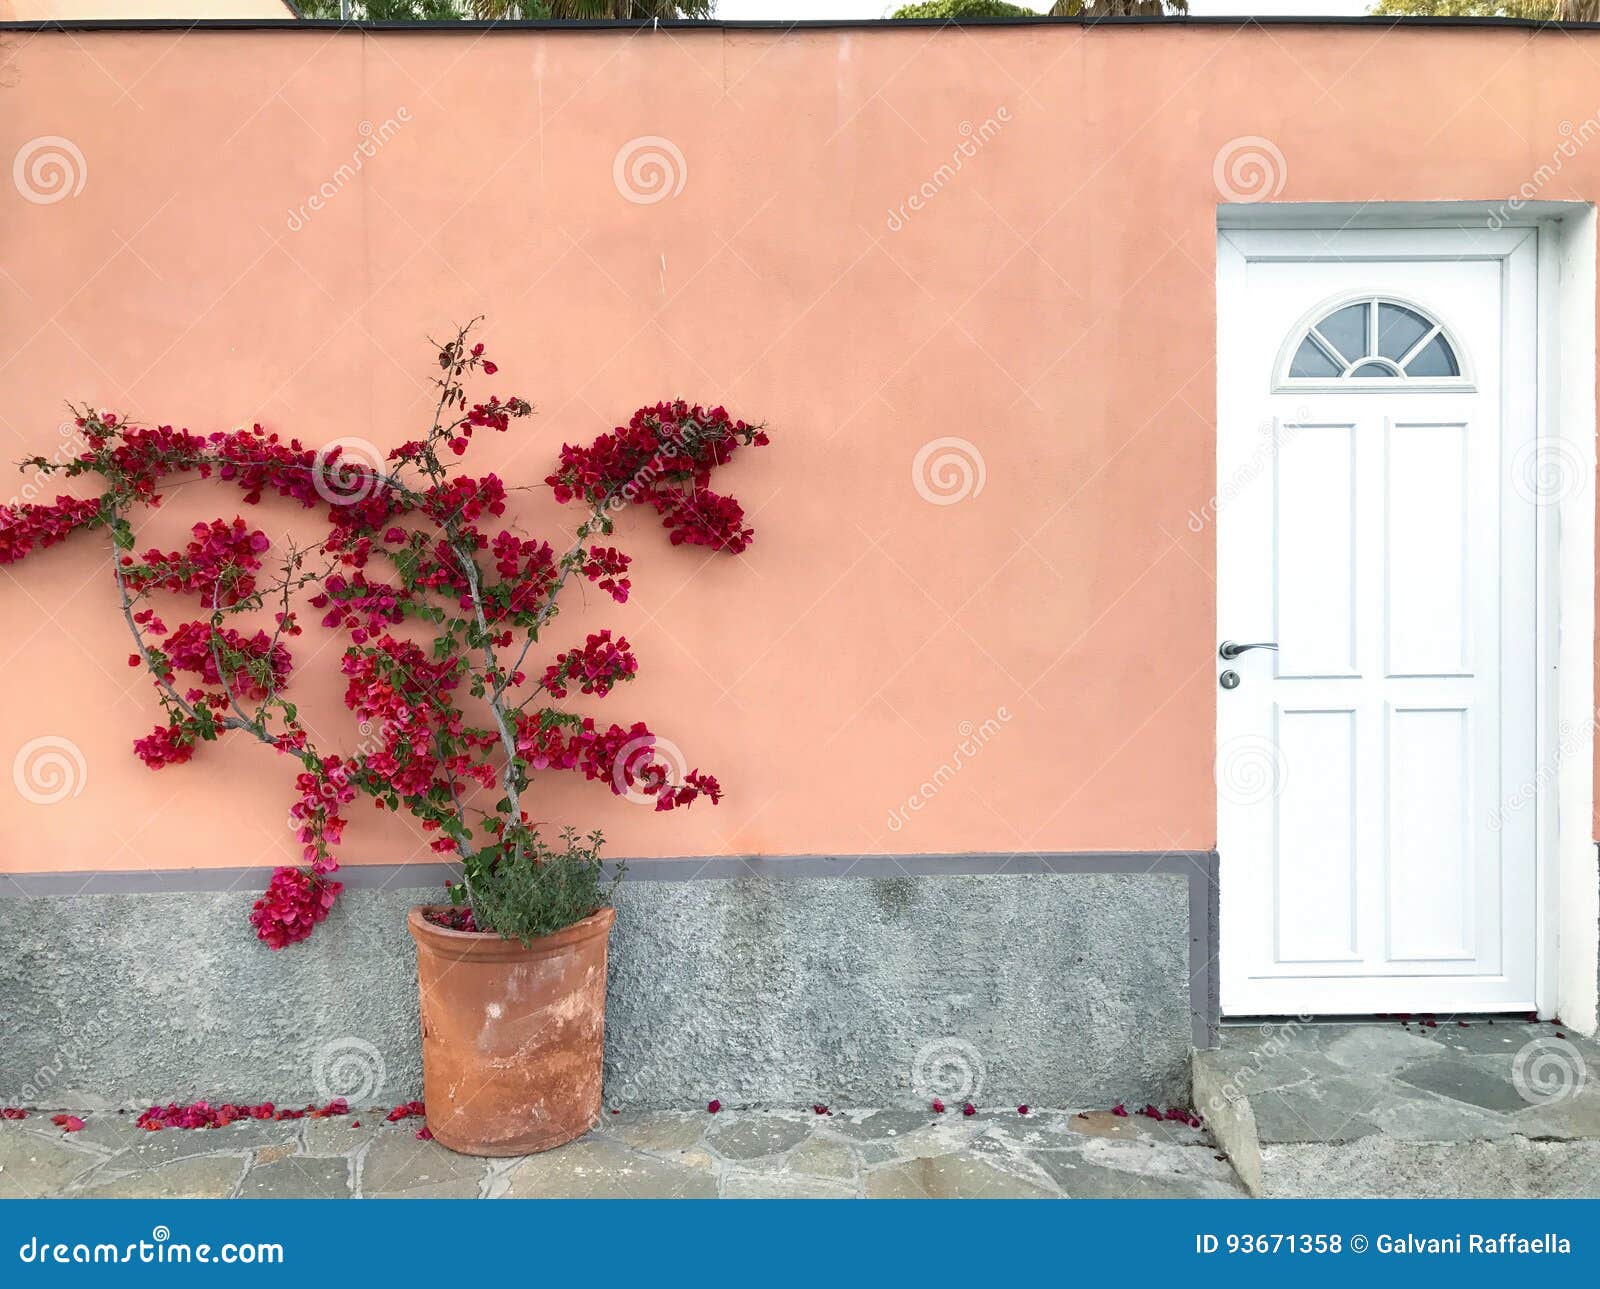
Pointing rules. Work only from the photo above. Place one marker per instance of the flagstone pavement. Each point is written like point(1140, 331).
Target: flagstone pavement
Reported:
point(736, 1154)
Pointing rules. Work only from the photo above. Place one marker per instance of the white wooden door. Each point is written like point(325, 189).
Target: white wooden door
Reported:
point(1376, 522)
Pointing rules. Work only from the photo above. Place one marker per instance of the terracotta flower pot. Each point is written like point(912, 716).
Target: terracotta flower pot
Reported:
point(513, 1036)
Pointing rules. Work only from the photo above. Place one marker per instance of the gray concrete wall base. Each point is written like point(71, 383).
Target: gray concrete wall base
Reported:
point(1065, 989)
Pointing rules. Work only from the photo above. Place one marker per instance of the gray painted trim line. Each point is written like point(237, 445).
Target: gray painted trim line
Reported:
point(1199, 867)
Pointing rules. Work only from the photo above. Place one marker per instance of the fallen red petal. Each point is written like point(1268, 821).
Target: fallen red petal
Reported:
point(713, 1106)
point(67, 1122)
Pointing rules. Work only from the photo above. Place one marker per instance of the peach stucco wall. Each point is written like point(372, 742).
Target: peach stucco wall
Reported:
point(1053, 305)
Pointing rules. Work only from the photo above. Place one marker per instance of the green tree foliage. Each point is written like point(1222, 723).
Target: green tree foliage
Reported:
point(1537, 10)
point(1117, 8)
point(964, 9)
point(1061, 9)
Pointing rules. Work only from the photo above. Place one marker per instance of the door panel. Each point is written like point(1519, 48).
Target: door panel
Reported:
point(1367, 863)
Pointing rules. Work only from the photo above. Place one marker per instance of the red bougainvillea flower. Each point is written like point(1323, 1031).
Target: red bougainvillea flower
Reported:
point(295, 901)
point(1120, 1110)
point(67, 1122)
point(202, 1114)
point(11, 1112)
point(411, 548)
point(713, 1106)
point(820, 1109)
point(407, 1110)
point(938, 1106)
point(663, 458)
point(424, 1133)
point(969, 1109)
point(1022, 1109)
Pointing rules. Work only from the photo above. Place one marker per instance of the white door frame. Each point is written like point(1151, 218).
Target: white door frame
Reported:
point(1567, 894)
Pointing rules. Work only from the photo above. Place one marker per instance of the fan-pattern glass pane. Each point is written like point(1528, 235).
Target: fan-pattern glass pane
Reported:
point(1346, 330)
point(1435, 359)
point(1309, 360)
point(1399, 329)
point(1345, 344)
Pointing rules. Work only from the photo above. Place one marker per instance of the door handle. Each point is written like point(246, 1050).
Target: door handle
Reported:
point(1228, 650)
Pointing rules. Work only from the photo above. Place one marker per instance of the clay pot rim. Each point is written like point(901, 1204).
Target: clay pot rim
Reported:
point(491, 946)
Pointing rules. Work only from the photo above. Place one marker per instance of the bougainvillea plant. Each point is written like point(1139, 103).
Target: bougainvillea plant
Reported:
point(441, 600)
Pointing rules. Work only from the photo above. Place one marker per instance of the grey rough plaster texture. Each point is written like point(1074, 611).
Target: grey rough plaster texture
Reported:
point(1065, 989)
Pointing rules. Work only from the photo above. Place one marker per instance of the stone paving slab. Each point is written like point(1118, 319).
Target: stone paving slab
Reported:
point(1406, 1108)
point(738, 1154)
point(1329, 1082)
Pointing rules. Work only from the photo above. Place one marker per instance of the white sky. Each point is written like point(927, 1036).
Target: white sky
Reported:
point(780, 9)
